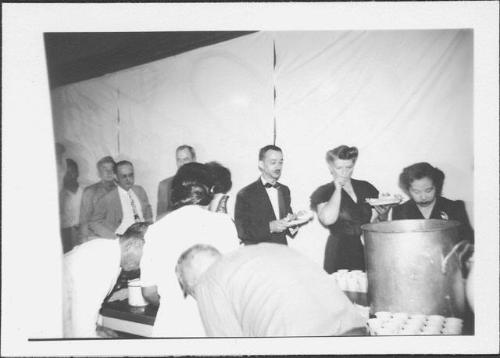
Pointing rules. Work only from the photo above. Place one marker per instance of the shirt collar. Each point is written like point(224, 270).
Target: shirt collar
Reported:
point(122, 190)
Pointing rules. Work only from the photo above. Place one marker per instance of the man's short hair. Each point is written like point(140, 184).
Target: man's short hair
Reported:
point(120, 164)
point(105, 160)
point(187, 147)
point(263, 150)
point(191, 185)
point(131, 243)
point(187, 269)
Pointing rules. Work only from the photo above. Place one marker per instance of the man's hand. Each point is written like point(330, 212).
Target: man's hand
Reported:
point(278, 225)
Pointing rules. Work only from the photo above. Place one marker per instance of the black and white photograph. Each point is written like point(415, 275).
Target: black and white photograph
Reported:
point(227, 179)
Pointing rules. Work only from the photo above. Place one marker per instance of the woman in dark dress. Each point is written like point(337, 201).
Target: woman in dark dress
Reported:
point(341, 207)
point(423, 184)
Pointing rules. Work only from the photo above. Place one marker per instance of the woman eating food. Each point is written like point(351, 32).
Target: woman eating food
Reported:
point(341, 206)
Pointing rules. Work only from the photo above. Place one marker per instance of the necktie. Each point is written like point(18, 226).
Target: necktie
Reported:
point(275, 186)
point(134, 209)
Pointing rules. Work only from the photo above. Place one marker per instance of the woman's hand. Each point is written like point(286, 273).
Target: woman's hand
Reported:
point(340, 182)
point(382, 211)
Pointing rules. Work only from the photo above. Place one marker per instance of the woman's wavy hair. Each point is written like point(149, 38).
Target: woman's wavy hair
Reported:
point(418, 171)
point(192, 185)
point(343, 152)
point(221, 177)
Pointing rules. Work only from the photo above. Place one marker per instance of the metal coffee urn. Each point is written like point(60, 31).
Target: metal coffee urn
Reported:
point(413, 267)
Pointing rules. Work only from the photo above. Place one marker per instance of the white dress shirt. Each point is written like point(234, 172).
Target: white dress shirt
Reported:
point(70, 211)
point(272, 193)
point(127, 210)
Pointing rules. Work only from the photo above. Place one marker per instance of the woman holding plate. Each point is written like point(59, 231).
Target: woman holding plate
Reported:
point(341, 206)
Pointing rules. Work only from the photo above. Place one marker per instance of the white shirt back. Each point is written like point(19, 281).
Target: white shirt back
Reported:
point(90, 272)
point(166, 240)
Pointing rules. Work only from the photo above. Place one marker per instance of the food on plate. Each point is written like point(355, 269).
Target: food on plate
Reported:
point(300, 217)
point(384, 200)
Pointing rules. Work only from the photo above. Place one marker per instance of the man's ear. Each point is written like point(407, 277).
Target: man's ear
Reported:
point(261, 164)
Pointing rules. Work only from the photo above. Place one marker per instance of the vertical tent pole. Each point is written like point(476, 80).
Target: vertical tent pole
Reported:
point(118, 121)
point(274, 90)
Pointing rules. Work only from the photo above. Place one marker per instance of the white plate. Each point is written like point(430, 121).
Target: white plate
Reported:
point(383, 201)
point(305, 217)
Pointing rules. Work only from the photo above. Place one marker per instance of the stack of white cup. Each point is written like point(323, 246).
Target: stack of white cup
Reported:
point(387, 323)
point(353, 281)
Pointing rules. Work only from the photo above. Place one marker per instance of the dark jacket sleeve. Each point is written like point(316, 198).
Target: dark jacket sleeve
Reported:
point(252, 228)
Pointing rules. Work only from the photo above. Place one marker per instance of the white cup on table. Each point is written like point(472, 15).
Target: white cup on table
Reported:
point(135, 297)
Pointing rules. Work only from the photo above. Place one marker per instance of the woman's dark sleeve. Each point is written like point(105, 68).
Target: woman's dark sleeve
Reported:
point(461, 215)
point(321, 195)
point(371, 191)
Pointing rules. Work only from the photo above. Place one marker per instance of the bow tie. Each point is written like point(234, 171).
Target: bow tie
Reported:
point(269, 185)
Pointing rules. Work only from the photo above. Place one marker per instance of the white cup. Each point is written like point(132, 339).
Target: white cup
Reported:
point(453, 322)
point(452, 330)
point(384, 316)
point(135, 297)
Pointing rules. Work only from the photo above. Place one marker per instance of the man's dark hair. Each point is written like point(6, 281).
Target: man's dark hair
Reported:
point(137, 230)
point(418, 171)
point(122, 163)
point(221, 177)
point(187, 147)
point(263, 150)
point(104, 160)
point(191, 185)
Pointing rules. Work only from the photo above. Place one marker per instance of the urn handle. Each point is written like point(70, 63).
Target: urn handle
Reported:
point(445, 259)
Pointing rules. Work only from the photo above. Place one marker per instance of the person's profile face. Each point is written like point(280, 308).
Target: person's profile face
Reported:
point(182, 157)
point(271, 165)
point(422, 191)
point(125, 176)
point(106, 171)
point(341, 168)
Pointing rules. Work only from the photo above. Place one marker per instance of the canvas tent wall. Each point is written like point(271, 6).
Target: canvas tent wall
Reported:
point(400, 96)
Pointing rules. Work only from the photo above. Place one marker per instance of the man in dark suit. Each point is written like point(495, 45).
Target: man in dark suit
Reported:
point(122, 206)
point(183, 154)
point(263, 208)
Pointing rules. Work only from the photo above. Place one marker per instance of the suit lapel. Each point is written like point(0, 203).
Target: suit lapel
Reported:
point(117, 203)
point(281, 202)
